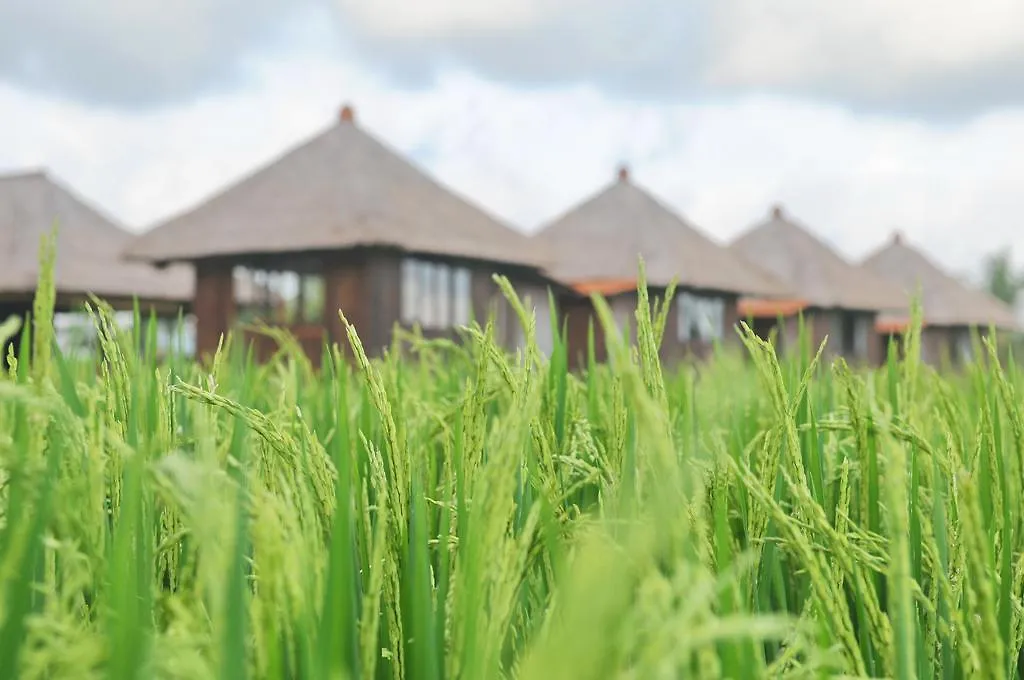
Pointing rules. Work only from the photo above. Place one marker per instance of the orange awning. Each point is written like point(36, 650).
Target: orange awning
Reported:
point(760, 308)
point(604, 286)
point(893, 326)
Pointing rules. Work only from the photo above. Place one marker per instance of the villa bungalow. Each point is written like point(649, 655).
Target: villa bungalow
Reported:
point(951, 310)
point(341, 221)
point(836, 298)
point(88, 250)
point(596, 247)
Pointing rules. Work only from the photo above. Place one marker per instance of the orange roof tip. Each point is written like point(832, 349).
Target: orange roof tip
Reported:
point(348, 114)
point(623, 173)
point(777, 211)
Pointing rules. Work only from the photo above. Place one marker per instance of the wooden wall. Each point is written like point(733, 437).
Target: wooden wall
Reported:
point(674, 350)
point(787, 335)
point(365, 285)
point(822, 323)
point(940, 344)
point(578, 314)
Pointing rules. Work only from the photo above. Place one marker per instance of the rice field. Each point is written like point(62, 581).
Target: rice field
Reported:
point(458, 512)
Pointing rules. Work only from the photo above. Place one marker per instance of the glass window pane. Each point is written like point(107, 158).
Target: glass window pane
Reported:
point(409, 282)
point(313, 294)
point(276, 299)
point(685, 317)
point(444, 296)
point(286, 289)
point(260, 307)
point(246, 293)
point(426, 316)
point(965, 346)
point(463, 296)
point(623, 312)
point(545, 341)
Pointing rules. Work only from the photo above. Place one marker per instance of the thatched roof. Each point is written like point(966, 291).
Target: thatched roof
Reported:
point(340, 189)
point(603, 238)
point(944, 300)
point(89, 246)
point(819, 275)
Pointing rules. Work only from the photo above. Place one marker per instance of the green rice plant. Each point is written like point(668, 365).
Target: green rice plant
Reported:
point(451, 510)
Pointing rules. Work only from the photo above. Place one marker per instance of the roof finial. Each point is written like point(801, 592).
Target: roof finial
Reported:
point(623, 173)
point(348, 114)
point(897, 237)
point(777, 211)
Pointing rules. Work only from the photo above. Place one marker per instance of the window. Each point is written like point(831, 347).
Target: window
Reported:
point(280, 296)
point(463, 299)
point(964, 347)
point(410, 291)
point(700, 319)
point(311, 296)
point(434, 294)
point(542, 309)
point(861, 335)
point(854, 330)
point(846, 325)
point(443, 292)
point(624, 313)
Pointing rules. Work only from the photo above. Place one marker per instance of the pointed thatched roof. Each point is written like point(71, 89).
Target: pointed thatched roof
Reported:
point(340, 189)
point(602, 239)
point(944, 300)
point(818, 274)
point(89, 246)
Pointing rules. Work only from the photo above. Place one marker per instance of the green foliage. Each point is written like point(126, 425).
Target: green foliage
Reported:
point(453, 512)
point(1000, 278)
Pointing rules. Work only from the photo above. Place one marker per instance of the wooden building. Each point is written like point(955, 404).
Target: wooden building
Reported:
point(596, 247)
point(341, 221)
point(837, 299)
point(951, 310)
point(88, 253)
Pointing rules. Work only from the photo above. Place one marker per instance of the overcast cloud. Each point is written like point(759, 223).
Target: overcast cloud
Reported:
point(139, 52)
point(941, 58)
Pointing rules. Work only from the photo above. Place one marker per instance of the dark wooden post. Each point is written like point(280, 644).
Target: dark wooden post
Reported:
point(214, 304)
point(381, 281)
point(577, 312)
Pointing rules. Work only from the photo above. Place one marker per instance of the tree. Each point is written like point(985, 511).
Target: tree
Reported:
point(1000, 278)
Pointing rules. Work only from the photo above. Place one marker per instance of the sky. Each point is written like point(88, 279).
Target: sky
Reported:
point(860, 117)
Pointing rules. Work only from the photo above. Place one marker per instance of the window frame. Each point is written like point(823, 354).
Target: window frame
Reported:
point(436, 294)
point(688, 328)
point(294, 309)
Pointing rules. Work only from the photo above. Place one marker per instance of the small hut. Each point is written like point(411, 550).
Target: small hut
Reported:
point(836, 298)
point(596, 246)
point(88, 257)
point(951, 310)
point(341, 221)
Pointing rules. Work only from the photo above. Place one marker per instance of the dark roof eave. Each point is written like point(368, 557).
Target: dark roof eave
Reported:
point(133, 255)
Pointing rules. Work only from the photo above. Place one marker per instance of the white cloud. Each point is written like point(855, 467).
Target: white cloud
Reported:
point(878, 45)
point(528, 155)
point(402, 18)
